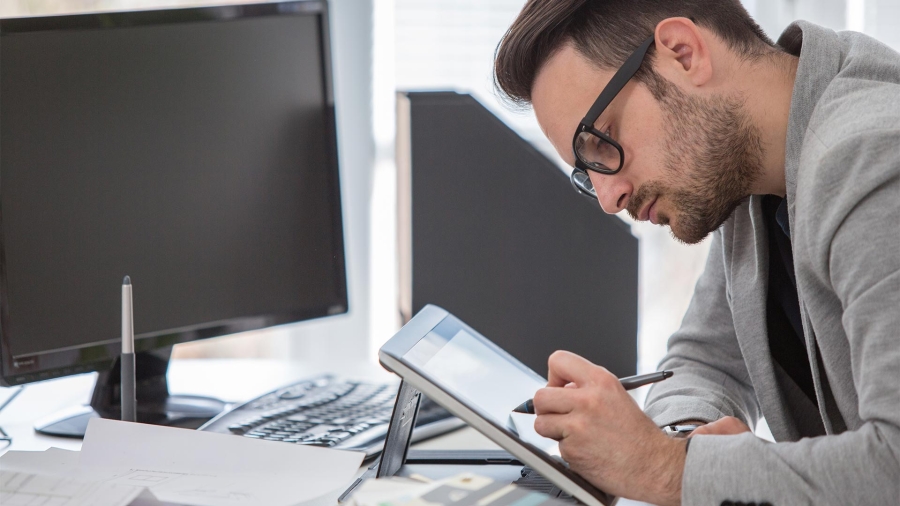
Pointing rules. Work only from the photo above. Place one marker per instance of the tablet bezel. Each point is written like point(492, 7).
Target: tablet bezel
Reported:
point(391, 357)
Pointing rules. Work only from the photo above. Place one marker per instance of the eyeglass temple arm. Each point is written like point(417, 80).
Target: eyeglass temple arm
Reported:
point(618, 81)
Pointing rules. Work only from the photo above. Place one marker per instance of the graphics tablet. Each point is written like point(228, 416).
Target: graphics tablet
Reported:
point(479, 382)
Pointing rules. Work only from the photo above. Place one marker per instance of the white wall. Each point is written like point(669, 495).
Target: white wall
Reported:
point(878, 18)
point(881, 19)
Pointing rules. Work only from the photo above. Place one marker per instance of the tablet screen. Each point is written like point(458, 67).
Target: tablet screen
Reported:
point(475, 370)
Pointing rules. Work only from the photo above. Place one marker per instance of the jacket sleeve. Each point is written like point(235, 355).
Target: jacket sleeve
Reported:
point(853, 240)
point(711, 379)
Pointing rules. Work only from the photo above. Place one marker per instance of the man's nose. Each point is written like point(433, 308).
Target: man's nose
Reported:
point(613, 191)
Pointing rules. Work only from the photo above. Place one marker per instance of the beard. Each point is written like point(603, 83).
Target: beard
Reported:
point(713, 156)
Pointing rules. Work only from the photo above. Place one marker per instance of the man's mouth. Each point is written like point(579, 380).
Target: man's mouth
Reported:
point(645, 213)
point(651, 212)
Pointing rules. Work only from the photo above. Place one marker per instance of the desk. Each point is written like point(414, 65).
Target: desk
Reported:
point(232, 380)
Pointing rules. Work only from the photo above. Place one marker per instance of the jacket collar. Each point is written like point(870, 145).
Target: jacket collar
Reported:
point(821, 59)
point(819, 50)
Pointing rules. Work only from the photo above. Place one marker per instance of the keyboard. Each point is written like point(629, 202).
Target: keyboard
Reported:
point(326, 411)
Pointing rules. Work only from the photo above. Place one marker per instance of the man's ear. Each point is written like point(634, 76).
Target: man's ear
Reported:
point(682, 54)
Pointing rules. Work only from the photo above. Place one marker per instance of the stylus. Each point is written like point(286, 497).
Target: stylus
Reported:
point(129, 408)
point(630, 383)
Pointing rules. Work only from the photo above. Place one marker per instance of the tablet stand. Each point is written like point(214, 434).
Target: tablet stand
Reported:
point(403, 419)
point(396, 452)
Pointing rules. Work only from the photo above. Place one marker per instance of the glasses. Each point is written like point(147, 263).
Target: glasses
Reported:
point(594, 150)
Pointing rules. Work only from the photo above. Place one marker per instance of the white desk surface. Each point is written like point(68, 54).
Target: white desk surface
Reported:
point(232, 380)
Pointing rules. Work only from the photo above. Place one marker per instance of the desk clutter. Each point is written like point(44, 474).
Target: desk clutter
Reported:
point(124, 463)
point(465, 489)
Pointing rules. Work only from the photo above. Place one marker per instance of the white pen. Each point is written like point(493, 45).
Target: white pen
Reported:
point(129, 403)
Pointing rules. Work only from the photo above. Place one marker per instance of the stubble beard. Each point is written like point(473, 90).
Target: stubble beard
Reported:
point(713, 157)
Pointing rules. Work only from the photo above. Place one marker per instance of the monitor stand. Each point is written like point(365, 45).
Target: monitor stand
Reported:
point(154, 404)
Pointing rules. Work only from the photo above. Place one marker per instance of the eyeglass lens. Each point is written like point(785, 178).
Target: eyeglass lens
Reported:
point(583, 184)
point(597, 153)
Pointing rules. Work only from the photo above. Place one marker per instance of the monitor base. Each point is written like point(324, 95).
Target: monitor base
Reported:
point(154, 404)
point(185, 411)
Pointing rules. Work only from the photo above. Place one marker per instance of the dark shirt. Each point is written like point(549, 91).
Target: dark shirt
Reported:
point(785, 329)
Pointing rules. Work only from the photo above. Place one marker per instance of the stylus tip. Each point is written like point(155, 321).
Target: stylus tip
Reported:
point(127, 280)
point(526, 407)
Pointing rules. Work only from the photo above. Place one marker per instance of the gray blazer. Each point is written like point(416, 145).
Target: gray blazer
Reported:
point(843, 189)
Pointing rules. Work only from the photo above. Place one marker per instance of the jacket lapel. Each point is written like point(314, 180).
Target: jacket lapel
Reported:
point(812, 79)
point(749, 286)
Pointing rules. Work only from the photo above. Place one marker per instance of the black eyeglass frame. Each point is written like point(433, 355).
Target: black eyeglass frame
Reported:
point(579, 177)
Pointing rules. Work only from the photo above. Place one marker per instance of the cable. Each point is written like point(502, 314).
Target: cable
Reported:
point(11, 397)
point(4, 437)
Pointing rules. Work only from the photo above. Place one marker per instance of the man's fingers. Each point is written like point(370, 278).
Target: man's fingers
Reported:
point(566, 367)
point(556, 400)
point(551, 426)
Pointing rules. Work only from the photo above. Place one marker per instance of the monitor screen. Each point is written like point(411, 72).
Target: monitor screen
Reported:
point(193, 150)
point(517, 261)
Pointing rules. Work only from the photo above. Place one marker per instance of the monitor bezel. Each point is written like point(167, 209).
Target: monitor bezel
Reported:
point(101, 355)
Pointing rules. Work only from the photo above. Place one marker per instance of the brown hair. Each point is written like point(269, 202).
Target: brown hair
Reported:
point(606, 32)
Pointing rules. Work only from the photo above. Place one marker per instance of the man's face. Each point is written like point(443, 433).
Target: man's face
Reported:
point(690, 158)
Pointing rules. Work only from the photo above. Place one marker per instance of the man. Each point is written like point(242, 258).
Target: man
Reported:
point(684, 113)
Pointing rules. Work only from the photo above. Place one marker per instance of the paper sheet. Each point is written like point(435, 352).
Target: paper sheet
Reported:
point(26, 489)
point(523, 425)
point(193, 468)
point(206, 469)
point(51, 462)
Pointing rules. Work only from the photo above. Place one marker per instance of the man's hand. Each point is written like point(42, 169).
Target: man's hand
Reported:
point(727, 425)
point(604, 435)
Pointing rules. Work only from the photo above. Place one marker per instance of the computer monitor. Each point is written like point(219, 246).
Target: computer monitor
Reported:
point(492, 231)
point(191, 149)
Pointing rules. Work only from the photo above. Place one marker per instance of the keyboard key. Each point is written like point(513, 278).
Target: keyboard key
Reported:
point(293, 394)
